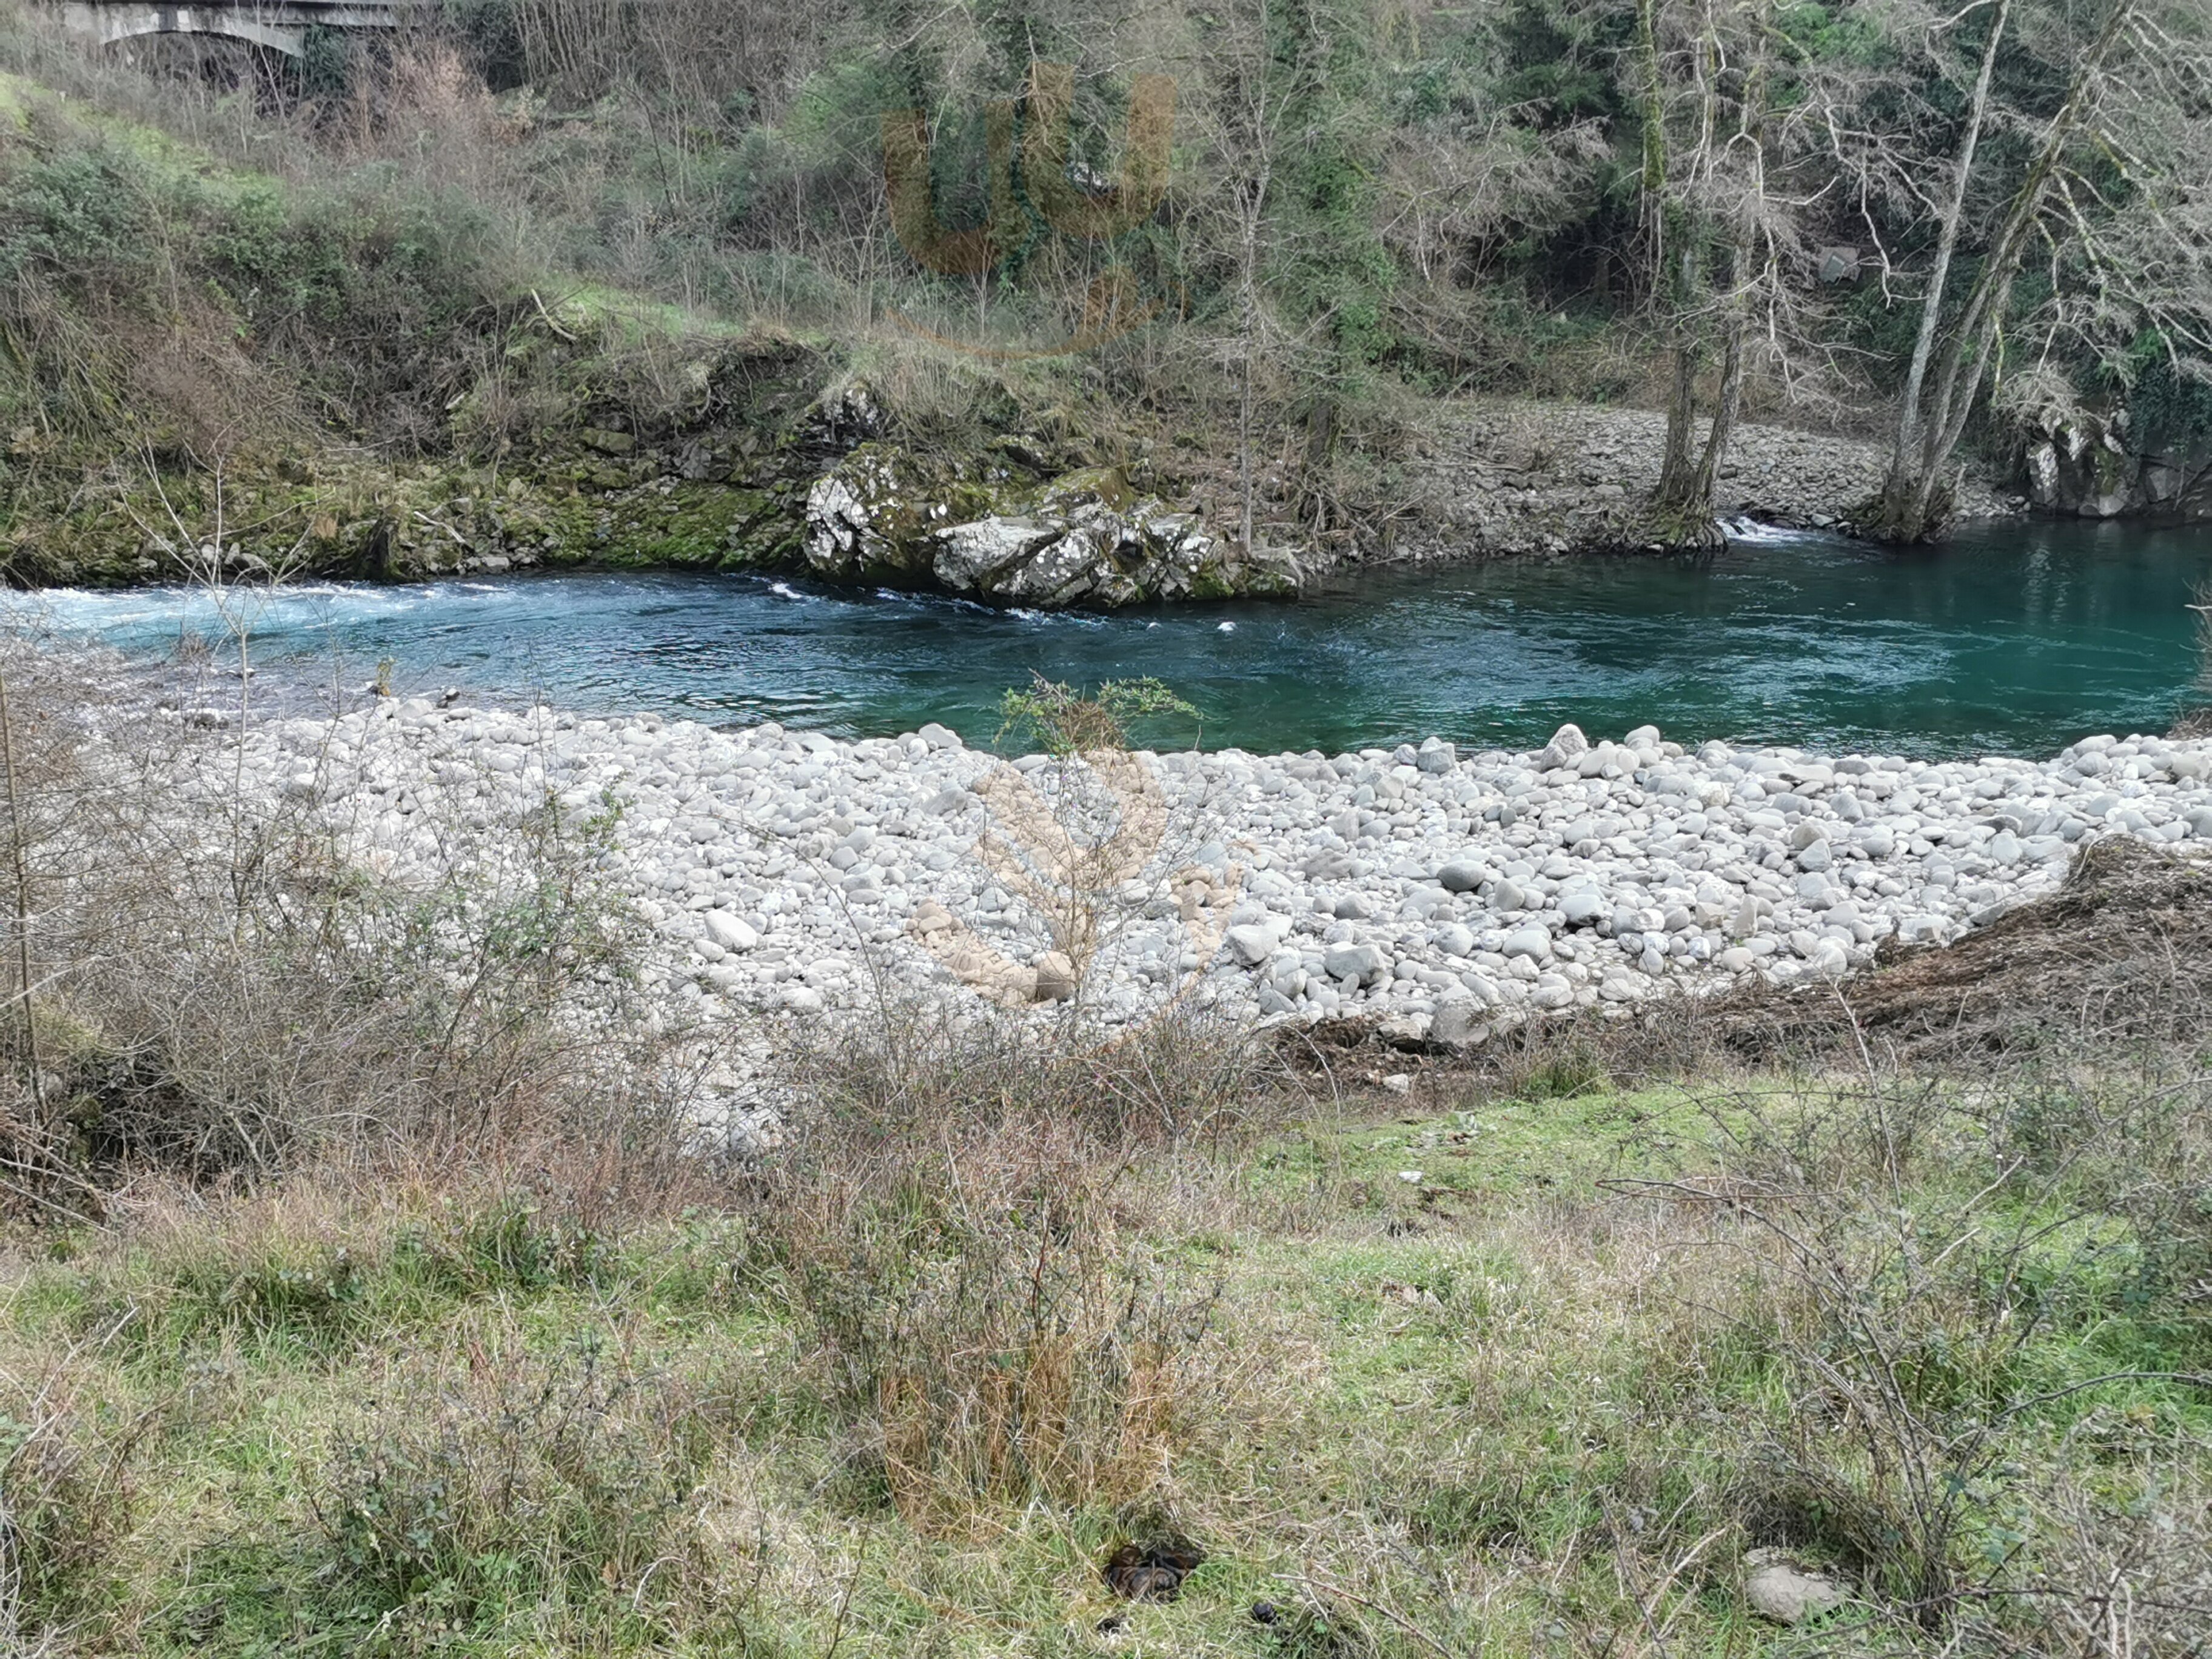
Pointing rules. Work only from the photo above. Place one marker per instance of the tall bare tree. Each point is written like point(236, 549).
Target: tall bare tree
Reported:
point(2106, 179)
point(1720, 236)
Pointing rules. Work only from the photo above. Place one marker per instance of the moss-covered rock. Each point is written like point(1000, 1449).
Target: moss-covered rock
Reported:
point(778, 478)
point(873, 516)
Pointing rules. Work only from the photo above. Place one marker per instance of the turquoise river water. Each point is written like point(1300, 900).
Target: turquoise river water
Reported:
point(2016, 638)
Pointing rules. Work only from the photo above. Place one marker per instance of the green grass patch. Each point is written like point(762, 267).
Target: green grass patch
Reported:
point(1524, 1404)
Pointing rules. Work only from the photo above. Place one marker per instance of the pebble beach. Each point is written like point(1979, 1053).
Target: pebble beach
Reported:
point(1437, 894)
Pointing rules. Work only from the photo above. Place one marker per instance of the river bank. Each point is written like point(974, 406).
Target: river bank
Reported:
point(788, 476)
point(1438, 897)
point(1501, 479)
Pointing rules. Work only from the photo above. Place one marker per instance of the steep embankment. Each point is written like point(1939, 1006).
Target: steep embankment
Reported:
point(211, 369)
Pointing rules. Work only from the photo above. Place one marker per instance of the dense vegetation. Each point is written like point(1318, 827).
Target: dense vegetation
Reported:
point(523, 217)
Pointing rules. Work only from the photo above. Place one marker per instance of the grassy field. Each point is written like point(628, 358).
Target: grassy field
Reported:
point(1450, 1365)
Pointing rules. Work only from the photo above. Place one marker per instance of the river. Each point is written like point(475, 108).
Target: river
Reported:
point(2014, 638)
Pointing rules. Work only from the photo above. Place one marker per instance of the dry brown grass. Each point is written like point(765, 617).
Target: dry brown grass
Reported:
point(2114, 958)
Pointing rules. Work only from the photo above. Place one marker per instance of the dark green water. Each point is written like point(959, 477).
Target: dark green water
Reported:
point(2016, 638)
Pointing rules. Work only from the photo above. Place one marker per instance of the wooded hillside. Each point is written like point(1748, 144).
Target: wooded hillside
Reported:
point(1257, 229)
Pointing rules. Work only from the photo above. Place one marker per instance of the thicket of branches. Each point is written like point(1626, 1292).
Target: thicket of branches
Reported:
point(1842, 208)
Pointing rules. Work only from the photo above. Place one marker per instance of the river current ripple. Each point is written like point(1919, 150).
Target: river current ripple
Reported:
point(2016, 638)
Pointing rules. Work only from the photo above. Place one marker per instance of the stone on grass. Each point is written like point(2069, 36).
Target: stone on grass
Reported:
point(1779, 1591)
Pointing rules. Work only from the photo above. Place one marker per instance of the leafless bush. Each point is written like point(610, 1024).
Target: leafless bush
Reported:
point(2124, 1578)
point(961, 1228)
point(66, 1498)
point(697, 55)
point(977, 1301)
point(1925, 1258)
point(1187, 1078)
point(2195, 720)
point(211, 974)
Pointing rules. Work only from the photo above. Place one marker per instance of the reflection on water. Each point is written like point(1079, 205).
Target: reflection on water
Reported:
point(2016, 638)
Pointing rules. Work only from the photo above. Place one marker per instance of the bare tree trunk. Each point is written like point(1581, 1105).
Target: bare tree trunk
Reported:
point(21, 902)
point(1655, 124)
point(1685, 500)
point(1727, 404)
point(1245, 434)
point(1931, 304)
point(1675, 468)
point(1252, 204)
point(1674, 269)
point(1916, 503)
point(1683, 506)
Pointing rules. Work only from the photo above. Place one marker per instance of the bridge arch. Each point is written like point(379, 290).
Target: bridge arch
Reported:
point(110, 24)
point(278, 26)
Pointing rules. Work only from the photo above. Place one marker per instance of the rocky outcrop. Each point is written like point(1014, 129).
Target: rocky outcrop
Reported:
point(1087, 537)
point(2089, 466)
point(778, 472)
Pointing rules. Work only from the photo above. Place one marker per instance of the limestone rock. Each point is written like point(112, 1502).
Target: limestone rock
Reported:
point(1583, 906)
point(731, 932)
point(1462, 876)
point(1251, 943)
point(1531, 942)
point(1567, 745)
point(1779, 1591)
point(1458, 1022)
point(1352, 962)
point(884, 514)
point(971, 557)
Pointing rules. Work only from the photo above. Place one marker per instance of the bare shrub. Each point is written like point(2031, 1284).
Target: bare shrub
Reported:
point(2124, 1576)
point(226, 979)
point(1185, 1079)
point(977, 1301)
point(696, 55)
point(962, 1229)
point(1928, 1263)
point(1089, 841)
point(66, 1501)
point(2195, 719)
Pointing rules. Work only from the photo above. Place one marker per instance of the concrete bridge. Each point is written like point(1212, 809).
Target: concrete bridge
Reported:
point(278, 25)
